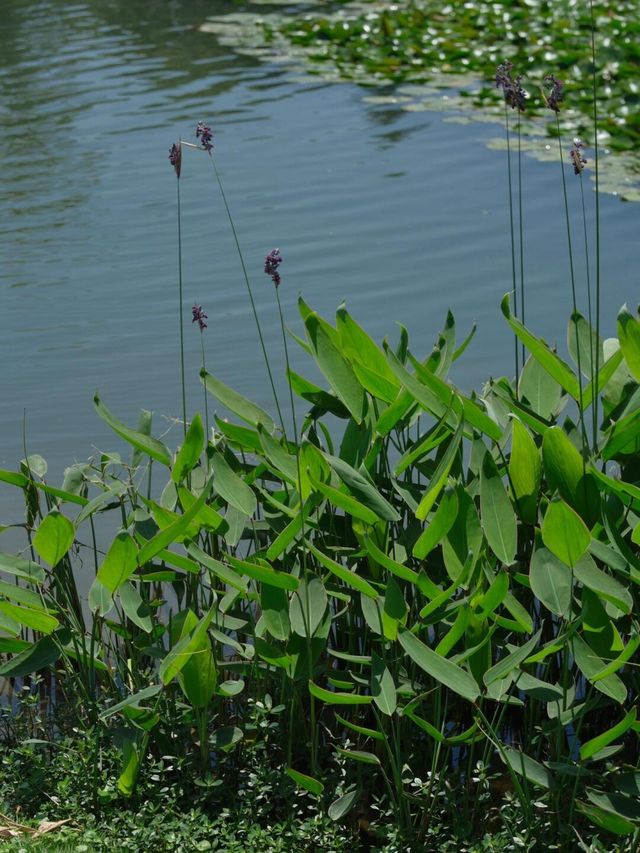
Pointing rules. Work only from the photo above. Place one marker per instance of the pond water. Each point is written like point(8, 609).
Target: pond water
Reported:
point(403, 214)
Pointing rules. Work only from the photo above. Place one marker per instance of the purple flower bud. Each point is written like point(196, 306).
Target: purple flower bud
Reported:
point(514, 94)
point(271, 264)
point(199, 316)
point(555, 92)
point(577, 158)
point(204, 134)
point(175, 157)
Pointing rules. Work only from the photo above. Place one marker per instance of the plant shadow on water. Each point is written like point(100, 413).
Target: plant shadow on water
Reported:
point(411, 613)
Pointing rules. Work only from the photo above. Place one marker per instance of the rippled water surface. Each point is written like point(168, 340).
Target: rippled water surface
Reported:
point(401, 214)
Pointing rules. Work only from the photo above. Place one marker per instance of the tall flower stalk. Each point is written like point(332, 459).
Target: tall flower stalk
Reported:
point(205, 138)
point(597, 177)
point(553, 97)
point(515, 97)
point(175, 158)
point(199, 317)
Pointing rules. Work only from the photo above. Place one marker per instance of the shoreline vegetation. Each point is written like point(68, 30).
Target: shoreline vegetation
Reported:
point(407, 620)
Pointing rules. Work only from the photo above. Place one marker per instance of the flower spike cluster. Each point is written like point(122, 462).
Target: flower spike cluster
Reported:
point(199, 317)
point(271, 264)
point(175, 157)
point(578, 160)
point(555, 92)
point(204, 134)
point(514, 94)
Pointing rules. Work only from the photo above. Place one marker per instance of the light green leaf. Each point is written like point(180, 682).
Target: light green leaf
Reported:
point(54, 537)
point(602, 584)
point(177, 658)
point(231, 487)
point(531, 769)
point(443, 670)
point(565, 533)
point(308, 606)
point(347, 575)
point(593, 746)
point(236, 403)
point(333, 698)
point(629, 336)
point(551, 581)
point(119, 563)
point(307, 783)
point(383, 688)
point(524, 471)
point(496, 513)
point(145, 443)
point(189, 453)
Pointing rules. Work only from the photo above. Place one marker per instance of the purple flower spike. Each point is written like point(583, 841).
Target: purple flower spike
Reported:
point(271, 264)
point(577, 158)
point(514, 94)
point(175, 157)
point(555, 93)
point(199, 317)
point(204, 134)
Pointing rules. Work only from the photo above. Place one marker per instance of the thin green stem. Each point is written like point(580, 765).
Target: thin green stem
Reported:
point(513, 244)
point(597, 176)
point(521, 228)
point(182, 375)
point(574, 302)
point(206, 403)
point(248, 284)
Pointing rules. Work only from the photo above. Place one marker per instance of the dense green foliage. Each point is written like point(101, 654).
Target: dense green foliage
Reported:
point(446, 593)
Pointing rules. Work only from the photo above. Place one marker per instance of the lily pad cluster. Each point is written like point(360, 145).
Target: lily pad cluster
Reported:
point(417, 41)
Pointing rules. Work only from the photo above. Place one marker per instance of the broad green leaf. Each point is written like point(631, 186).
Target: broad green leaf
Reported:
point(350, 577)
point(363, 489)
point(37, 620)
point(224, 572)
point(496, 513)
point(494, 596)
point(344, 501)
point(540, 350)
point(368, 360)
point(176, 659)
point(307, 783)
point(440, 475)
point(525, 766)
point(132, 701)
point(524, 471)
point(274, 603)
point(565, 471)
point(551, 581)
point(472, 413)
point(337, 371)
point(383, 688)
point(134, 607)
point(22, 568)
point(584, 345)
point(593, 746)
point(339, 808)
point(443, 670)
point(242, 437)
point(438, 527)
point(131, 760)
point(602, 584)
point(359, 755)
point(171, 533)
point(145, 443)
point(308, 606)
point(610, 821)
point(189, 453)
point(119, 563)
point(564, 533)
point(332, 698)
point(539, 390)
point(236, 403)
point(54, 537)
point(397, 569)
point(33, 659)
point(394, 611)
point(198, 677)
point(361, 730)
point(591, 665)
point(231, 487)
point(226, 738)
point(609, 374)
point(629, 337)
point(264, 573)
point(512, 661)
point(20, 594)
